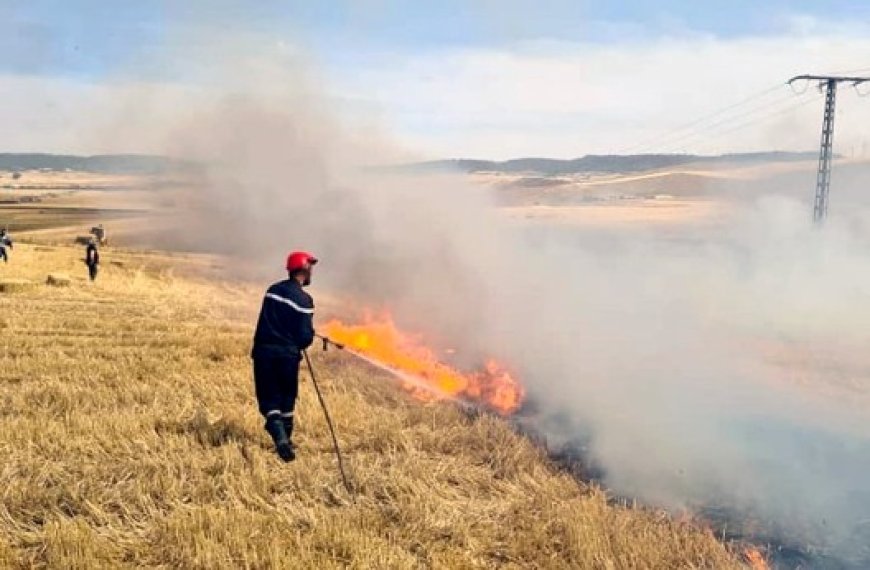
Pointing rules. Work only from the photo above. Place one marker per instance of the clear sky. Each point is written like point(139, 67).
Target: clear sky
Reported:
point(446, 78)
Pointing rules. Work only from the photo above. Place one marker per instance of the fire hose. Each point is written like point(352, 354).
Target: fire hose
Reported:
point(327, 342)
point(328, 421)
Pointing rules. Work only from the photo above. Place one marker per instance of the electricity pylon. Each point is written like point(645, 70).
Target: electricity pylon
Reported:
point(823, 177)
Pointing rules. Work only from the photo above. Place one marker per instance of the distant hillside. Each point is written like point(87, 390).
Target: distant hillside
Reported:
point(105, 163)
point(152, 164)
point(603, 163)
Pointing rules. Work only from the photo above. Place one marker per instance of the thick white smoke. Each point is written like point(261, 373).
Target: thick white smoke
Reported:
point(653, 350)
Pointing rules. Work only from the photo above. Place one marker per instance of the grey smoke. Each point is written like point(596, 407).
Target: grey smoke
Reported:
point(649, 346)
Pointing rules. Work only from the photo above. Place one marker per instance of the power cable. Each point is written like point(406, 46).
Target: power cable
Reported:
point(713, 127)
point(766, 118)
point(655, 141)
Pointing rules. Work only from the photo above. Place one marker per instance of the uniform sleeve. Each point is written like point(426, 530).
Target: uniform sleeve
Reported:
point(306, 330)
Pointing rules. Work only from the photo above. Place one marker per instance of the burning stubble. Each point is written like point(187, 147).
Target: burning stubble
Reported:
point(650, 350)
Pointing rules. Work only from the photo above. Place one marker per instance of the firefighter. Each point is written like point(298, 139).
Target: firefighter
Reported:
point(100, 233)
point(92, 258)
point(284, 329)
point(5, 241)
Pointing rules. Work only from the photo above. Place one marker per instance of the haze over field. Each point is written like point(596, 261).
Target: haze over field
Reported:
point(652, 350)
point(714, 366)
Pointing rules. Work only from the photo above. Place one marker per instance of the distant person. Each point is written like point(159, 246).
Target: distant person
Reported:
point(5, 242)
point(92, 258)
point(284, 329)
point(100, 233)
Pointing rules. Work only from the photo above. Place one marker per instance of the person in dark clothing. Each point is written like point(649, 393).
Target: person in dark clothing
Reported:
point(5, 241)
point(284, 329)
point(92, 258)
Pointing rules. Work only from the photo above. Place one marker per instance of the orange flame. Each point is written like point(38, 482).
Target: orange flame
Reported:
point(380, 340)
point(755, 559)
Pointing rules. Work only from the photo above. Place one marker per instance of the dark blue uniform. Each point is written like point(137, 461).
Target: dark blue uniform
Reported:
point(92, 260)
point(285, 328)
point(5, 241)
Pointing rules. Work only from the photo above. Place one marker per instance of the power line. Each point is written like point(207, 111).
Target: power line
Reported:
point(711, 129)
point(655, 141)
point(702, 126)
point(764, 119)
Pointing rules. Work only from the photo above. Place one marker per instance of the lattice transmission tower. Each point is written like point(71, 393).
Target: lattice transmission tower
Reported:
point(829, 84)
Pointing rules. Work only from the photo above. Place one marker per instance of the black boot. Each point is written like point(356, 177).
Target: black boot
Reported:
point(275, 427)
point(288, 427)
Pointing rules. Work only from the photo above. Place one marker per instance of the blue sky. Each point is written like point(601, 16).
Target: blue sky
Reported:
point(91, 37)
point(369, 52)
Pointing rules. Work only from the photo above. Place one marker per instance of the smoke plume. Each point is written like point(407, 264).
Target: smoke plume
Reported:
point(711, 367)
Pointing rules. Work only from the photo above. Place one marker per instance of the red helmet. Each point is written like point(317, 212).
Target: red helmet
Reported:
point(300, 260)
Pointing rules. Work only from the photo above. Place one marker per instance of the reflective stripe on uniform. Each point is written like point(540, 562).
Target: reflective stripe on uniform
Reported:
point(287, 415)
point(289, 302)
point(273, 413)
